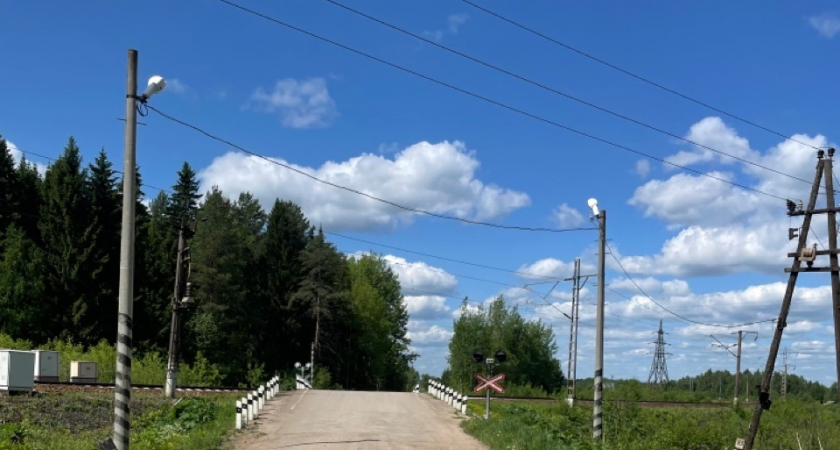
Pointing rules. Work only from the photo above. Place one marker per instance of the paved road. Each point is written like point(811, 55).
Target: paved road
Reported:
point(344, 420)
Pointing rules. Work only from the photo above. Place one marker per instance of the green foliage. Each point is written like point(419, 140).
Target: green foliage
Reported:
point(529, 346)
point(200, 373)
point(627, 426)
point(267, 286)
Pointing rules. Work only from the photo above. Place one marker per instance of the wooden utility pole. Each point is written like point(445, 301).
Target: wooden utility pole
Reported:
point(808, 255)
point(741, 334)
point(181, 298)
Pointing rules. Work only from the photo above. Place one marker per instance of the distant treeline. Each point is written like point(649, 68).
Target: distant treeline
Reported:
point(267, 285)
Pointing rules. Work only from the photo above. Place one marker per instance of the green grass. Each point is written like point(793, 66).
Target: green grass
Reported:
point(556, 426)
point(80, 421)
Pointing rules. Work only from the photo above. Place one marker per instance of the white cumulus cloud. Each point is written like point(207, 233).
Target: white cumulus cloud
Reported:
point(827, 24)
point(426, 307)
point(439, 178)
point(566, 217)
point(300, 103)
point(434, 335)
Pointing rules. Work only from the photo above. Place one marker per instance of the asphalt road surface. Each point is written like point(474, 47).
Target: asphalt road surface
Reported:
point(344, 420)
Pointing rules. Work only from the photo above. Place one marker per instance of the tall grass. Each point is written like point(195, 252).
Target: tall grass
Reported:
point(627, 426)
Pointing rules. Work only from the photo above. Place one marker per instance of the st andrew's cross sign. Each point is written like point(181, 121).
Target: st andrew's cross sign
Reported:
point(492, 383)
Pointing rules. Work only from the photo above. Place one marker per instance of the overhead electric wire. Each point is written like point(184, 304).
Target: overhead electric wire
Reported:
point(364, 194)
point(442, 258)
point(561, 93)
point(469, 277)
point(638, 77)
point(494, 102)
point(26, 152)
point(673, 313)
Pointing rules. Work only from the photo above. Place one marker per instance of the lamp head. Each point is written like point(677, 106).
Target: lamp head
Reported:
point(593, 204)
point(501, 356)
point(297, 365)
point(478, 357)
point(156, 84)
point(308, 365)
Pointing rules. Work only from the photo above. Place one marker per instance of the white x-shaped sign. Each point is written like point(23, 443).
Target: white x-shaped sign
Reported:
point(490, 383)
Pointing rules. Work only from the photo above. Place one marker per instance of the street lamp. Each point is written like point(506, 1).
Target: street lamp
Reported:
point(122, 388)
point(597, 424)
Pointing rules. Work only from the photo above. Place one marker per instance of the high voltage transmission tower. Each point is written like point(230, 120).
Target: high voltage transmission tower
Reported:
point(806, 254)
point(659, 369)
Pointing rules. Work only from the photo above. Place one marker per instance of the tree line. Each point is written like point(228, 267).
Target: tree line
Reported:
point(530, 367)
point(269, 286)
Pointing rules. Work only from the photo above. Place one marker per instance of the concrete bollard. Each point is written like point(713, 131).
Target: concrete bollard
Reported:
point(464, 405)
point(261, 397)
point(250, 408)
point(256, 404)
point(238, 415)
point(457, 403)
point(244, 401)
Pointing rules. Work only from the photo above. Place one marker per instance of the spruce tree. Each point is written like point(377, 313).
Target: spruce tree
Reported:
point(30, 195)
point(22, 313)
point(102, 291)
point(183, 204)
point(67, 233)
point(8, 189)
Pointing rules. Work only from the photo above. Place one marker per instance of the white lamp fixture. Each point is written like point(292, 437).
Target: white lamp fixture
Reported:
point(593, 204)
point(156, 84)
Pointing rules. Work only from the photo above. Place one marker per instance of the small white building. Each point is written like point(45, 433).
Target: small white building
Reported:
point(16, 369)
point(46, 366)
point(83, 372)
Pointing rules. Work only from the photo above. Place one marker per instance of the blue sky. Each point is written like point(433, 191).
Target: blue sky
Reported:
point(704, 249)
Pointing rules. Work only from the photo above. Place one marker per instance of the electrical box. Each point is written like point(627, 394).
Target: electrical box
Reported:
point(83, 372)
point(46, 366)
point(16, 369)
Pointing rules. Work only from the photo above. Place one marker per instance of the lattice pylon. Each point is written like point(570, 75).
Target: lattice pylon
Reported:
point(659, 369)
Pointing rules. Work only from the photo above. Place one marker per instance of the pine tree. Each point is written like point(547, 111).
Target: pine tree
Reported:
point(320, 291)
point(66, 229)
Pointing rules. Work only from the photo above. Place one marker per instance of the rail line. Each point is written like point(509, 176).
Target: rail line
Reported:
point(646, 403)
point(66, 386)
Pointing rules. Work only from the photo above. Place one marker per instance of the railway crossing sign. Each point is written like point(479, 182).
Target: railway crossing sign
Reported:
point(491, 383)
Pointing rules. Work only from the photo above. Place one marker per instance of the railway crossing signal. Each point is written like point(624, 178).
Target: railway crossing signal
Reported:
point(491, 383)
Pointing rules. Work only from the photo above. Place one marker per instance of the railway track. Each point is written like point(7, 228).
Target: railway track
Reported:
point(645, 403)
point(61, 387)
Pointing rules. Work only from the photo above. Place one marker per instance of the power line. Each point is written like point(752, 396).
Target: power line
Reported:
point(442, 258)
point(638, 77)
point(364, 194)
point(51, 159)
point(434, 269)
point(671, 312)
point(561, 93)
point(495, 102)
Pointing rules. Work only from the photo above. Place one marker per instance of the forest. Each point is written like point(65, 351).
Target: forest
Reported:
point(268, 286)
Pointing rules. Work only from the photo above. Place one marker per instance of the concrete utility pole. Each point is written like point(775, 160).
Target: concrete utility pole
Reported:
point(808, 255)
point(122, 387)
point(741, 334)
point(597, 425)
point(180, 298)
